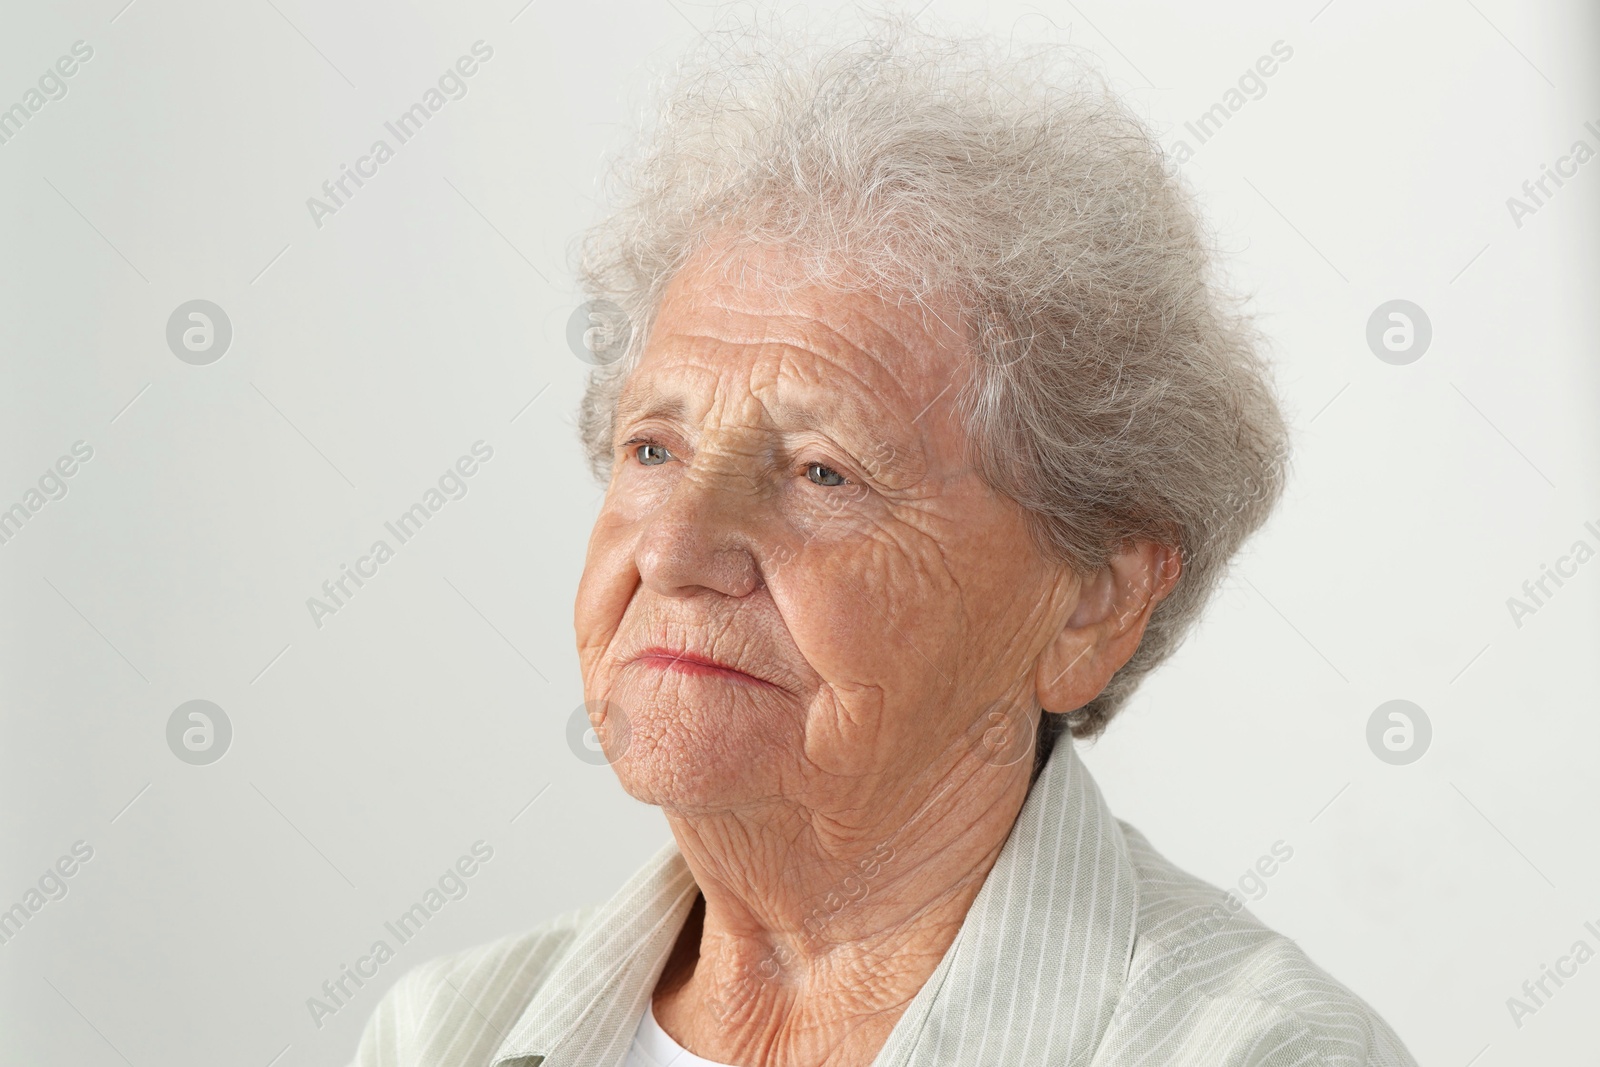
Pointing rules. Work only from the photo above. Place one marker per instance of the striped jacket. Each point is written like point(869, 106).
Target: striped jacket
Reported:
point(1083, 947)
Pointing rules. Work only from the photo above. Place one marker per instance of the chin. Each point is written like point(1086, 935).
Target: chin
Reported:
point(700, 747)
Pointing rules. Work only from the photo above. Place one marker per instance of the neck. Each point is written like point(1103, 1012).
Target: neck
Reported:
point(815, 928)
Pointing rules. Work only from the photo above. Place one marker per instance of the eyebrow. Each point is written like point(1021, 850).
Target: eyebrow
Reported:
point(858, 417)
point(649, 403)
point(864, 433)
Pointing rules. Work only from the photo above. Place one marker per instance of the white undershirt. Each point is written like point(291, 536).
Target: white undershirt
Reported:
point(654, 1047)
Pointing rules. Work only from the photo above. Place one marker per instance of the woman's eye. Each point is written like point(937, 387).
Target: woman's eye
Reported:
point(651, 455)
point(823, 475)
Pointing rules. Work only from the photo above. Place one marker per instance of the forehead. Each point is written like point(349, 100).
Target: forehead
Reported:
point(744, 328)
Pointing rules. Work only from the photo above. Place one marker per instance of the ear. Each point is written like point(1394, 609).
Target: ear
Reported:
point(1106, 624)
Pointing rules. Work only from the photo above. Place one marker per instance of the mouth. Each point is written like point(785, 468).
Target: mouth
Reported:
point(694, 665)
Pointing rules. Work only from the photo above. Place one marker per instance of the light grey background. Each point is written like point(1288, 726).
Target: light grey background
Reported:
point(430, 313)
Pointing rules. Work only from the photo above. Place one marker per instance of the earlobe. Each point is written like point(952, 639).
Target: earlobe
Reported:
point(1064, 679)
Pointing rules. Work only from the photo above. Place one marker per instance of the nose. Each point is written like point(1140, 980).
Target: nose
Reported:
point(700, 538)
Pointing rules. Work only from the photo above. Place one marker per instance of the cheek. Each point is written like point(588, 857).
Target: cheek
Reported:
point(877, 621)
point(874, 611)
point(606, 586)
point(928, 609)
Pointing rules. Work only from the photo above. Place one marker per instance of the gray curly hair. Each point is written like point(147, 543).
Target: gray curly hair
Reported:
point(1118, 392)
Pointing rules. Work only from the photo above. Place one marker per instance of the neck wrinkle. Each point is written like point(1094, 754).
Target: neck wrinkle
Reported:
point(806, 950)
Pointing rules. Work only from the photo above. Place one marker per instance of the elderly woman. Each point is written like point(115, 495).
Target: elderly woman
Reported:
point(931, 435)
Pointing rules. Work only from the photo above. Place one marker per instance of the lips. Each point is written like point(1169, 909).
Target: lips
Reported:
point(695, 665)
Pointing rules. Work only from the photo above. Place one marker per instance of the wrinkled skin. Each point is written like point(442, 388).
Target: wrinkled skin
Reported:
point(792, 498)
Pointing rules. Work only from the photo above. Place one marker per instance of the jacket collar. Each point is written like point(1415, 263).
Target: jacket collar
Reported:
point(1033, 976)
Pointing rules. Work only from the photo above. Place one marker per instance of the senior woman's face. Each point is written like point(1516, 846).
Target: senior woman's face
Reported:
point(797, 580)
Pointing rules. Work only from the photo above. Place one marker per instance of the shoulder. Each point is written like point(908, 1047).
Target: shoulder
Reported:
point(1207, 976)
point(455, 1009)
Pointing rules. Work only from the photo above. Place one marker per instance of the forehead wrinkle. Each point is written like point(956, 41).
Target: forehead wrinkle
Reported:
point(859, 405)
point(645, 400)
point(858, 333)
point(772, 363)
point(890, 357)
point(896, 358)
